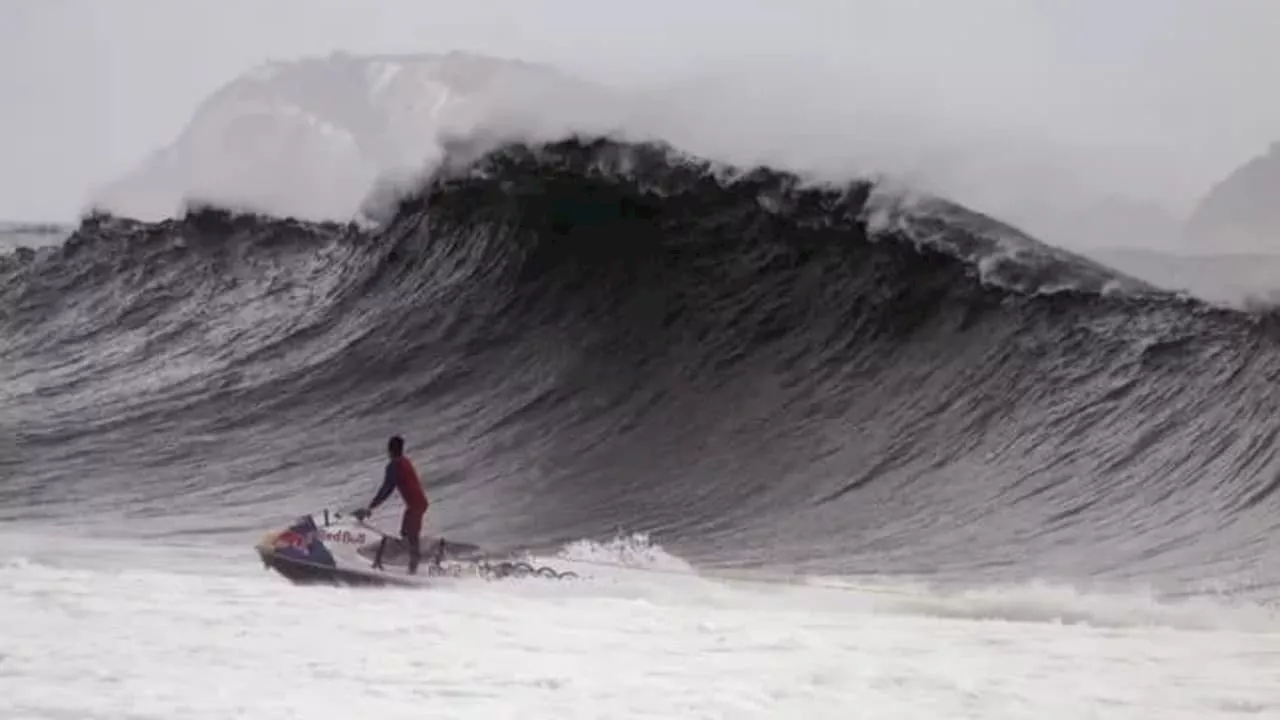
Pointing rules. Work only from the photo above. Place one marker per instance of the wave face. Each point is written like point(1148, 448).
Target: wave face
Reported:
point(590, 336)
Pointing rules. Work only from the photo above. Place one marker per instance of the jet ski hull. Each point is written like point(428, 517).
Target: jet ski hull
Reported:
point(355, 557)
point(301, 572)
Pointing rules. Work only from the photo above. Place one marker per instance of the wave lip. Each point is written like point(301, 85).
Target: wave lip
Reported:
point(998, 253)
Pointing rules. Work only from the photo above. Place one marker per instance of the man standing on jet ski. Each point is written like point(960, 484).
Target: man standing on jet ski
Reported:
point(401, 475)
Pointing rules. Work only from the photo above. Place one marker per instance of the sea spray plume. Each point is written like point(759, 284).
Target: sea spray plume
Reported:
point(528, 110)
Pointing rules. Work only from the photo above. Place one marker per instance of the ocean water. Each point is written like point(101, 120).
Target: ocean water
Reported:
point(812, 451)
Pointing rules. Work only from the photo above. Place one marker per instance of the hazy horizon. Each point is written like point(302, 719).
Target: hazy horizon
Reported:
point(1150, 101)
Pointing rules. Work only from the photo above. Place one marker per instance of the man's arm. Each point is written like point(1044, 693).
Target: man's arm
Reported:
point(388, 484)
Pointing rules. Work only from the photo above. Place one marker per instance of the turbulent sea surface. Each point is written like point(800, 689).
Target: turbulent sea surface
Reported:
point(590, 346)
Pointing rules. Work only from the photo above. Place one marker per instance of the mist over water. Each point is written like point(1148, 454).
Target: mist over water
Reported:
point(1085, 124)
point(15, 236)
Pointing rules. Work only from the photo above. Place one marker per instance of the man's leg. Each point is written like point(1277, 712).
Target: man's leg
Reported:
point(410, 530)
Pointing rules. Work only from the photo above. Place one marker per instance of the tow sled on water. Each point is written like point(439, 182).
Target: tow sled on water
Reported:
point(341, 549)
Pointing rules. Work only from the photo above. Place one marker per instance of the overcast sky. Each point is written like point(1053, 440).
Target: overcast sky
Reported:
point(1163, 96)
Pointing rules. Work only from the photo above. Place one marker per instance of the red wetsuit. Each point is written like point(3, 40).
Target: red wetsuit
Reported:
point(401, 476)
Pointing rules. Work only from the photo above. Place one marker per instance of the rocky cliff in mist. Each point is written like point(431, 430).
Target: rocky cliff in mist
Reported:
point(310, 138)
point(1229, 248)
point(1241, 213)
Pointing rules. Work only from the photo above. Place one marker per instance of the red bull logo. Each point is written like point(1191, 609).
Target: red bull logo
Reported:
point(345, 537)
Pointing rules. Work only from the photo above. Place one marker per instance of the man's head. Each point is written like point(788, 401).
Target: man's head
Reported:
point(395, 446)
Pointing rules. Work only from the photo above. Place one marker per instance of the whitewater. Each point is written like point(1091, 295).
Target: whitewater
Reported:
point(119, 632)
point(811, 451)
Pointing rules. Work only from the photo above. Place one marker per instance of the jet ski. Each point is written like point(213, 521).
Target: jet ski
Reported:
point(338, 548)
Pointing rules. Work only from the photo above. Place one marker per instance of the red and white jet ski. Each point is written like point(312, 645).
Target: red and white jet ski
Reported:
point(337, 548)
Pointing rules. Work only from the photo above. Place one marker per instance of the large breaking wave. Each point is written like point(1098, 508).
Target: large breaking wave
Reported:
point(592, 336)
